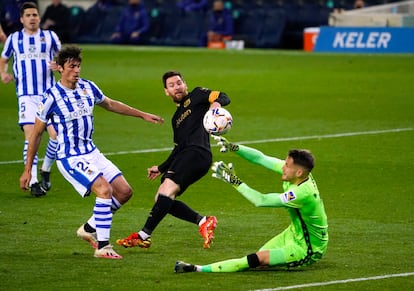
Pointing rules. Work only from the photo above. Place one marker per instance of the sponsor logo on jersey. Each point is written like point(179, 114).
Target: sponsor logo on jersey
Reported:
point(182, 117)
point(78, 113)
point(287, 197)
point(34, 56)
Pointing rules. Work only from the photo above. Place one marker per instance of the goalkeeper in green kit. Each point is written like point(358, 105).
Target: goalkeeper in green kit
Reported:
point(305, 240)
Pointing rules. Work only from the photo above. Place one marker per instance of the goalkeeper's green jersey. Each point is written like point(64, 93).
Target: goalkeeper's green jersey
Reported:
point(303, 203)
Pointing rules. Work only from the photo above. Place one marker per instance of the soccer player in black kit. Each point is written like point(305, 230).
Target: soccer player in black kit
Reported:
point(188, 162)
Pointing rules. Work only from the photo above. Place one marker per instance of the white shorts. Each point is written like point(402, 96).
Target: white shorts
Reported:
point(82, 171)
point(28, 106)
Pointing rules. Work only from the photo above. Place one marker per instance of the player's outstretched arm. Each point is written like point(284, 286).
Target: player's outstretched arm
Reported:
point(226, 173)
point(250, 154)
point(124, 109)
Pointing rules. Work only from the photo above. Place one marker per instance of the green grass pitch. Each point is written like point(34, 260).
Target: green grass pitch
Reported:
point(354, 112)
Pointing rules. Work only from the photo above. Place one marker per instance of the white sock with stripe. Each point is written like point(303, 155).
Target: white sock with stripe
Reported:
point(50, 155)
point(114, 207)
point(103, 218)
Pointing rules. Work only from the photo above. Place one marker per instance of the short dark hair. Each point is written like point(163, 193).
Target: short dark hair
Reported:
point(170, 74)
point(302, 158)
point(68, 53)
point(27, 5)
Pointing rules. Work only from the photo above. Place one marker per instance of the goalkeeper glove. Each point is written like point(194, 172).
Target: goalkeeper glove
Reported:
point(226, 173)
point(225, 145)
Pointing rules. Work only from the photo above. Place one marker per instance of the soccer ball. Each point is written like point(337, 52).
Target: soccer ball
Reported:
point(217, 121)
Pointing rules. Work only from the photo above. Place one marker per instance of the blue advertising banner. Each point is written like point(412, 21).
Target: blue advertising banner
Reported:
point(365, 39)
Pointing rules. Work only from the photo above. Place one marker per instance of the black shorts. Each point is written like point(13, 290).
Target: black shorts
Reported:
point(188, 166)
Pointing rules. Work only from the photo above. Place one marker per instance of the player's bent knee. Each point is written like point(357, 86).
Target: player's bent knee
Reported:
point(102, 188)
point(168, 188)
point(123, 194)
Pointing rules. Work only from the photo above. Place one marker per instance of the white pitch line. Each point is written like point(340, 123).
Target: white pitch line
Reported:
point(328, 135)
point(323, 136)
point(317, 284)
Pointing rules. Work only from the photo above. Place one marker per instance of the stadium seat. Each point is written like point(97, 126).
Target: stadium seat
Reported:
point(274, 22)
point(292, 15)
point(110, 21)
point(90, 26)
point(98, 24)
point(259, 23)
point(180, 29)
point(75, 20)
point(249, 27)
point(300, 15)
point(164, 27)
point(322, 16)
point(307, 15)
point(168, 5)
point(191, 28)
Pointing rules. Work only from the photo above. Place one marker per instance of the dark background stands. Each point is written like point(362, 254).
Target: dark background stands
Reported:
point(133, 24)
point(56, 18)
point(220, 24)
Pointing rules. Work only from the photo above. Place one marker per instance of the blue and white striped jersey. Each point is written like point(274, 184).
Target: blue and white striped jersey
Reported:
point(71, 114)
point(32, 54)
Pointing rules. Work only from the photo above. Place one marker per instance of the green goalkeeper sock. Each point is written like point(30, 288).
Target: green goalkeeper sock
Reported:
point(233, 265)
point(277, 257)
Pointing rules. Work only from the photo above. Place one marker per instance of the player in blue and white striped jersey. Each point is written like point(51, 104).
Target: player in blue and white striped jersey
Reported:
point(32, 50)
point(69, 104)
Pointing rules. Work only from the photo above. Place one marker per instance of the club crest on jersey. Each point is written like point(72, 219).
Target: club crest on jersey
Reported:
point(287, 197)
point(187, 103)
point(81, 104)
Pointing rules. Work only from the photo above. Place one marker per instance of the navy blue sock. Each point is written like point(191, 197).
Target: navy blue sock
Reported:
point(182, 211)
point(158, 212)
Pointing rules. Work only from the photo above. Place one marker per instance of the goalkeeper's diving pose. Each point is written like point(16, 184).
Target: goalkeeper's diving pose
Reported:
point(305, 240)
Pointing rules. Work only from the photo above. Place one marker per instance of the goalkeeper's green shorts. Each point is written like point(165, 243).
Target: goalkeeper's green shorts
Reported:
point(286, 250)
